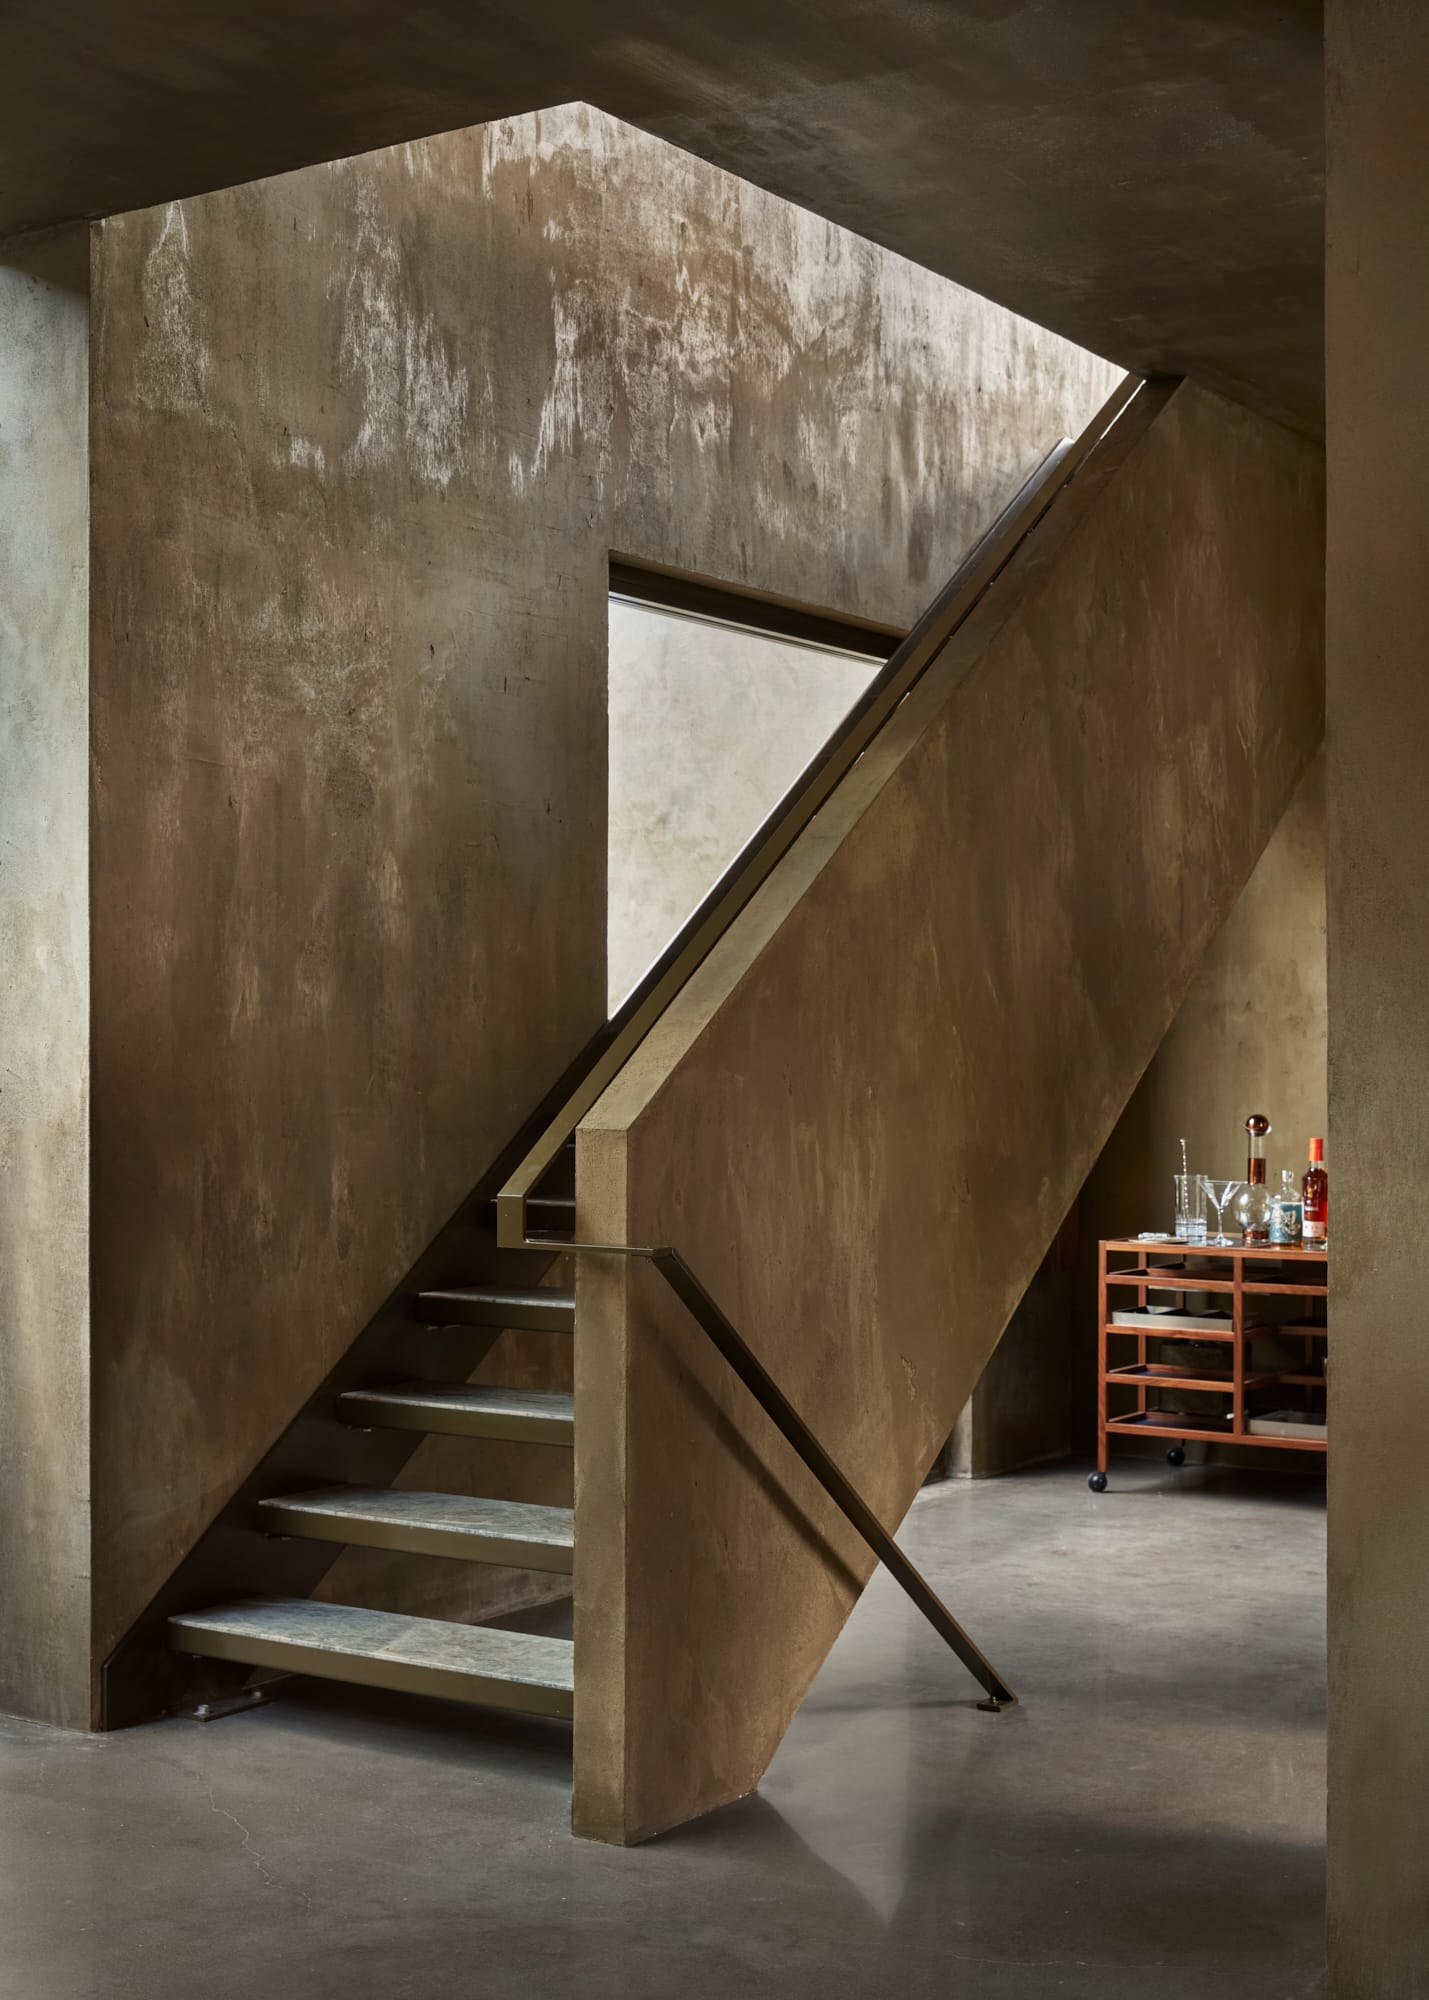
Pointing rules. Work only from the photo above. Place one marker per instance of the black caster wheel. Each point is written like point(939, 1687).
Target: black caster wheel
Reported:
point(1175, 1456)
point(1097, 1481)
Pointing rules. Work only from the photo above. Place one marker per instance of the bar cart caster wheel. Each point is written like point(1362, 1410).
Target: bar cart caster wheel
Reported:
point(1097, 1481)
point(1175, 1456)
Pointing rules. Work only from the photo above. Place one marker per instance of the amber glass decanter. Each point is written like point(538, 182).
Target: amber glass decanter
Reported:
point(1251, 1207)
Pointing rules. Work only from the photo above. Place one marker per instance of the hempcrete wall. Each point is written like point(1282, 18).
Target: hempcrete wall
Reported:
point(362, 438)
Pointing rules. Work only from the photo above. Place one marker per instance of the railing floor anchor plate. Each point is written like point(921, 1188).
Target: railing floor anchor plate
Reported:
point(232, 1704)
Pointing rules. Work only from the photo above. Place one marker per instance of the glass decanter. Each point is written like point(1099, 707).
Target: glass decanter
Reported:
point(1250, 1211)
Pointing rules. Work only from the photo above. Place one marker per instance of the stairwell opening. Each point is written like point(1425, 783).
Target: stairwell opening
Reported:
point(718, 701)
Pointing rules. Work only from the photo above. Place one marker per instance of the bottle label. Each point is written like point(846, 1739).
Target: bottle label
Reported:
point(1314, 1231)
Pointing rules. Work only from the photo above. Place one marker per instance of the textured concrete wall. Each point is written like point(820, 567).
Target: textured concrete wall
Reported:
point(1145, 179)
point(1250, 1035)
point(709, 727)
point(44, 979)
point(1378, 735)
point(866, 1116)
point(364, 438)
point(1020, 1413)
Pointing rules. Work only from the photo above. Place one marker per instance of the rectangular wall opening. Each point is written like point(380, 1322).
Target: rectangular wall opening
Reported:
point(717, 704)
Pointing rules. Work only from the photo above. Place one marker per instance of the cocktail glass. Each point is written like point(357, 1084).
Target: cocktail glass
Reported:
point(1221, 1194)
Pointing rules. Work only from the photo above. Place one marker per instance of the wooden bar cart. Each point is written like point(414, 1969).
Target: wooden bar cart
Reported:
point(1250, 1300)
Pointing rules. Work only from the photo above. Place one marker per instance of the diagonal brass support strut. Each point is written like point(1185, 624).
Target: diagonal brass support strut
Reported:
point(726, 1337)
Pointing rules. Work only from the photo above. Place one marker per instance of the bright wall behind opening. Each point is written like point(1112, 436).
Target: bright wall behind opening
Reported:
point(710, 724)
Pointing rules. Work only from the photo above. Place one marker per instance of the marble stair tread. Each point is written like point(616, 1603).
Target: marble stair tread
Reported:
point(542, 1308)
point(461, 1409)
point(474, 1663)
point(511, 1532)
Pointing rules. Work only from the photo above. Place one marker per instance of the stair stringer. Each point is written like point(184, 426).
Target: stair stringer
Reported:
point(866, 1115)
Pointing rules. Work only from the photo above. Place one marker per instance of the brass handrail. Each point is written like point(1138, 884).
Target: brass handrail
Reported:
point(613, 1045)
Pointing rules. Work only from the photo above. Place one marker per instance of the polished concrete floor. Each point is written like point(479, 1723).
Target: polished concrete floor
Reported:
point(1147, 1826)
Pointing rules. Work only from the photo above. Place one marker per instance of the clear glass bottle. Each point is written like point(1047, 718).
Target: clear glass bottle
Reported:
point(1251, 1207)
point(1285, 1213)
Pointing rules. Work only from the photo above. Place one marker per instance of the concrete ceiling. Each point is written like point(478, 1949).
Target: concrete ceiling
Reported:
point(1144, 178)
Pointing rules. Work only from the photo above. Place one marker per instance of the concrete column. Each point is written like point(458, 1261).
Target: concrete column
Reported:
point(1377, 54)
point(44, 977)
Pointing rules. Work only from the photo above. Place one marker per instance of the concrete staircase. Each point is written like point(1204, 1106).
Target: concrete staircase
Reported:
point(535, 1213)
point(703, 1610)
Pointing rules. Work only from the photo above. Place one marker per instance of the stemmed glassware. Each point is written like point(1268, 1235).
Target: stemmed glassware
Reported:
point(1220, 1195)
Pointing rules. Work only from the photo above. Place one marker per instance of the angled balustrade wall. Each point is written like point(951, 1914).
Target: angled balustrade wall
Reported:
point(866, 1116)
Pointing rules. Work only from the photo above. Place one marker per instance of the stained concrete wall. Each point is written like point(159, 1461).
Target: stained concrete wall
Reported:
point(1378, 735)
point(44, 978)
point(1145, 179)
point(1249, 1035)
point(363, 439)
point(866, 1116)
point(1021, 1411)
point(709, 727)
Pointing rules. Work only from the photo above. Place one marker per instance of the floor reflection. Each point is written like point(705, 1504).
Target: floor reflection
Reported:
point(1149, 1821)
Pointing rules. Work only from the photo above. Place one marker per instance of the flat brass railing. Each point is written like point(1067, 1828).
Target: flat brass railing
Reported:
point(614, 1044)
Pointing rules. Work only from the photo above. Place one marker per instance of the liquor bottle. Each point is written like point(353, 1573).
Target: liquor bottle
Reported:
point(1285, 1213)
point(1251, 1207)
point(1315, 1188)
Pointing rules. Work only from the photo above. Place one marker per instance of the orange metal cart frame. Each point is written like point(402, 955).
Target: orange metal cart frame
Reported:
point(1235, 1272)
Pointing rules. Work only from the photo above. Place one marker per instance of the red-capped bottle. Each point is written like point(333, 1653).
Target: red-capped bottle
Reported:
point(1315, 1189)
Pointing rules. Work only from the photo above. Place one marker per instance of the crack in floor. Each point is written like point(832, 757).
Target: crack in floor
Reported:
point(269, 1879)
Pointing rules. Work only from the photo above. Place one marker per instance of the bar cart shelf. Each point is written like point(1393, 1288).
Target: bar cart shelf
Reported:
point(1250, 1290)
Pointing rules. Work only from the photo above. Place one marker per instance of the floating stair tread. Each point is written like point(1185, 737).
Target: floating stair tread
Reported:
point(541, 1308)
point(460, 1409)
point(452, 1524)
point(384, 1649)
